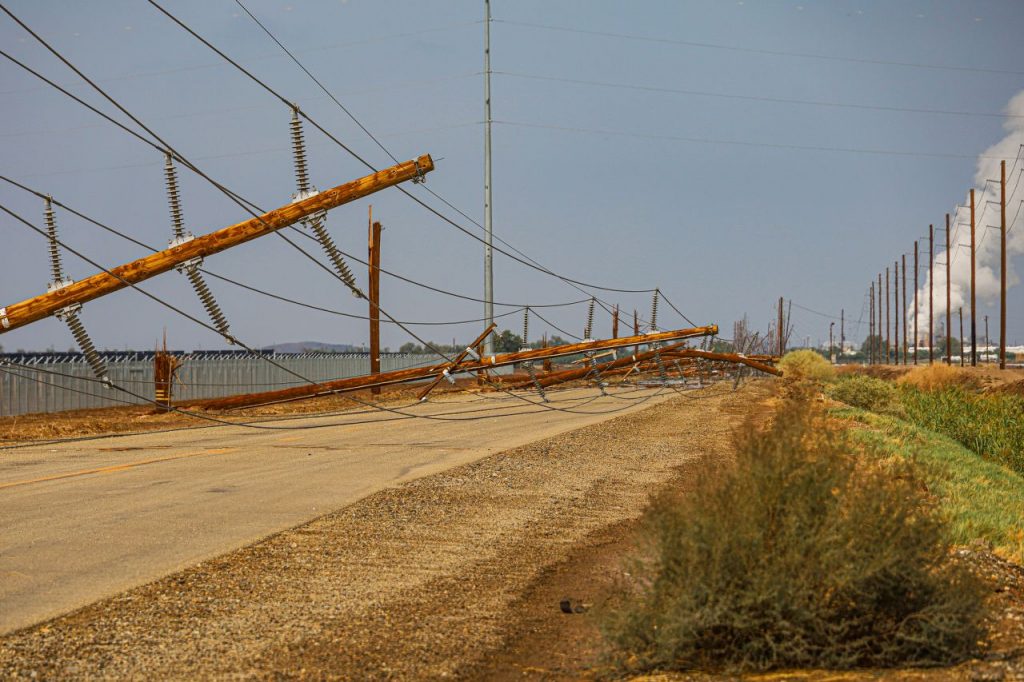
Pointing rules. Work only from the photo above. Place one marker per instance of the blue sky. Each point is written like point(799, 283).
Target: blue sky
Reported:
point(601, 183)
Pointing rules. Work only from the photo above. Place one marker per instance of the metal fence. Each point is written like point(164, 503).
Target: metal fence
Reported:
point(54, 382)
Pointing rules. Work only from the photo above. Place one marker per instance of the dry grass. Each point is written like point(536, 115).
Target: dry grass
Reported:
point(937, 377)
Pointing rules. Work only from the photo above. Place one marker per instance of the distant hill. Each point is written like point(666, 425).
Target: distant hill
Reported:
point(312, 346)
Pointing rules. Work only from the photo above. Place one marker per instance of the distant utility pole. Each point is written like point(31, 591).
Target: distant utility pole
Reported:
point(782, 332)
point(961, 311)
point(871, 324)
point(842, 332)
point(888, 347)
point(931, 292)
point(488, 222)
point(373, 295)
point(615, 322)
point(974, 325)
point(949, 304)
point(986, 336)
point(831, 346)
point(917, 311)
point(879, 358)
point(1002, 265)
point(904, 280)
point(896, 309)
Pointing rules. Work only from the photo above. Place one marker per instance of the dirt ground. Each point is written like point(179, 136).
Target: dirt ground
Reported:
point(461, 575)
point(421, 581)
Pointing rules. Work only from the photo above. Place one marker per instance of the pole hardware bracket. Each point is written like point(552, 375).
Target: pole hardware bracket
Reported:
point(68, 311)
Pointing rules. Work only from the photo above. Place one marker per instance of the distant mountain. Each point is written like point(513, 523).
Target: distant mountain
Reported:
point(312, 346)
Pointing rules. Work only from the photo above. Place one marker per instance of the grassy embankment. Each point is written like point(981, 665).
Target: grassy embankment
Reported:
point(967, 446)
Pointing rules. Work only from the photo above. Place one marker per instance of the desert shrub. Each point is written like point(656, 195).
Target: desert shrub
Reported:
point(867, 393)
point(806, 364)
point(798, 557)
point(992, 425)
point(936, 377)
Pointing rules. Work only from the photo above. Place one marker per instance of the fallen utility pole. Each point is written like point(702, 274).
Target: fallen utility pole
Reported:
point(37, 308)
point(673, 351)
point(453, 367)
point(420, 373)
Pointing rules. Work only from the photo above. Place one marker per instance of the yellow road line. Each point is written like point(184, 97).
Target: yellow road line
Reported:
point(117, 467)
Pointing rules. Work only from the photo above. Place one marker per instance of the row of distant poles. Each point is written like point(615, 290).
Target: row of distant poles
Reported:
point(887, 350)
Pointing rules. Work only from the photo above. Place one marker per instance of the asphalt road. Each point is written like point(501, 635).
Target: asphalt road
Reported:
point(85, 520)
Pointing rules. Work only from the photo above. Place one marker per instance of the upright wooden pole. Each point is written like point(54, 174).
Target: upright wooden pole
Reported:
point(888, 347)
point(949, 304)
point(782, 330)
point(879, 357)
point(904, 280)
point(842, 332)
point(961, 311)
point(373, 261)
point(896, 310)
point(917, 311)
point(1002, 265)
point(974, 307)
point(615, 322)
point(931, 294)
point(871, 324)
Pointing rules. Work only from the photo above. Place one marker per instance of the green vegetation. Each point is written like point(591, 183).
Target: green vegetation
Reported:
point(806, 364)
point(990, 425)
point(981, 499)
point(863, 391)
point(801, 555)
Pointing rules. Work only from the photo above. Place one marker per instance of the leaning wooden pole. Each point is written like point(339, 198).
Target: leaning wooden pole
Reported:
point(40, 307)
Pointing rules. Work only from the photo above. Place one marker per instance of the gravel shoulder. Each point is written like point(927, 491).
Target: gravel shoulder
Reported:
point(424, 580)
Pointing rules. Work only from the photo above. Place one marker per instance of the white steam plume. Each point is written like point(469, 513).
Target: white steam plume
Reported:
point(986, 212)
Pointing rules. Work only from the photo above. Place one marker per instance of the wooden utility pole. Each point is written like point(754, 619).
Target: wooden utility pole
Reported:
point(615, 322)
point(37, 308)
point(974, 307)
point(931, 293)
point(871, 324)
point(831, 345)
point(986, 336)
point(888, 347)
point(896, 310)
point(164, 367)
point(842, 332)
point(782, 330)
point(917, 311)
point(879, 357)
point(949, 303)
point(904, 280)
point(636, 328)
point(419, 373)
point(961, 311)
point(373, 261)
point(1002, 265)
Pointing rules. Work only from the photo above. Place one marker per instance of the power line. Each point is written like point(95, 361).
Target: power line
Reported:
point(751, 50)
point(742, 143)
point(359, 158)
point(753, 98)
